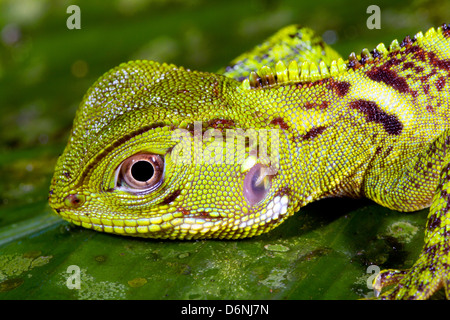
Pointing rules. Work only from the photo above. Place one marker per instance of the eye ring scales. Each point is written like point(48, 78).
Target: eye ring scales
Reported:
point(141, 172)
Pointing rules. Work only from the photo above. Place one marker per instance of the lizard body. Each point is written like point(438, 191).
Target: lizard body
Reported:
point(148, 154)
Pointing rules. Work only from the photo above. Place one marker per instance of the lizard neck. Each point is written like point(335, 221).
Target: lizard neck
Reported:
point(329, 133)
point(345, 122)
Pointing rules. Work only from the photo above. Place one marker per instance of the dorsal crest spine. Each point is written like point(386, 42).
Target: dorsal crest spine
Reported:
point(293, 73)
point(308, 71)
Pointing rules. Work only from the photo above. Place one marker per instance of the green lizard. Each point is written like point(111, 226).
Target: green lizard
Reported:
point(146, 154)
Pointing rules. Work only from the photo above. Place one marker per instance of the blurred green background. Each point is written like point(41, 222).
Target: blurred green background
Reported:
point(45, 69)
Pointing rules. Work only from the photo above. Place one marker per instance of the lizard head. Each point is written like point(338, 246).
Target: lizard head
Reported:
point(163, 152)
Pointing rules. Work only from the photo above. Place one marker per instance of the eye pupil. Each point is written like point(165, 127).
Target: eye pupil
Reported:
point(142, 171)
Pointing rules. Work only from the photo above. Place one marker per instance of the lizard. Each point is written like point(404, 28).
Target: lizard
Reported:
point(146, 156)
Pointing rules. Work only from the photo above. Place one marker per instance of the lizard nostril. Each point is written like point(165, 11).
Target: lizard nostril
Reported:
point(74, 200)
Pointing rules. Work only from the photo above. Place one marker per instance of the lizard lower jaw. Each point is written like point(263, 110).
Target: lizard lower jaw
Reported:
point(187, 227)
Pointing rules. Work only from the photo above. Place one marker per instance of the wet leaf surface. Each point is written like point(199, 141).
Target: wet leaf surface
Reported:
point(322, 252)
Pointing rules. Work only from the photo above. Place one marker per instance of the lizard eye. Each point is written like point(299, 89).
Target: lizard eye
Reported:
point(141, 172)
point(257, 184)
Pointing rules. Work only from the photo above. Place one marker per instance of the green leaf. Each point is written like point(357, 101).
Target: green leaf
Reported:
point(322, 252)
point(317, 254)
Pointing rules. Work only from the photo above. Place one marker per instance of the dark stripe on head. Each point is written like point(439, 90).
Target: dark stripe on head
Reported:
point(171, 197)
point(117, 143)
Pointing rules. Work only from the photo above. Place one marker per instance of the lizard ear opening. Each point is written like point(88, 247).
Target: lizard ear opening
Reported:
point(140, 173)
point(257, 184)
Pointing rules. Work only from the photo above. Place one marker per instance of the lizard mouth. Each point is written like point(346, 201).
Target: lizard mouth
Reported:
point(184, 224)
point(165, 226)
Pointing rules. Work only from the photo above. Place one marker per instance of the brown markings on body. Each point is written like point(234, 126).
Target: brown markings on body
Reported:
point(419, 69)
point(426, 78)
point(411, 65)
point(393, 54)
point(221, 124)
point(392, 62)
point(373, 113)
point(339, 87)
point(430, 108)
point(389, 77)
point(440, 83)
point(443, 64)
point(324, 105)
point(310, 105)
point(388, 151)
point(314, 132)
point(280, 123)
point(418, 52)
point(378, 151)
point(408, 65)
point(434, 222)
